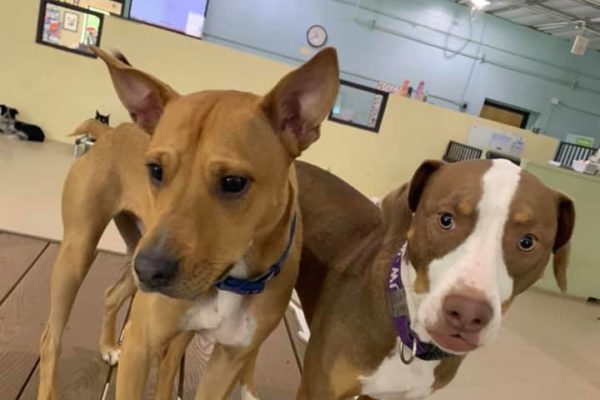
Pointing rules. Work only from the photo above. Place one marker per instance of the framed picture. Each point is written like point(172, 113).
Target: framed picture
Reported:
point(71, 21)
point(359, 106)
point(67, 27)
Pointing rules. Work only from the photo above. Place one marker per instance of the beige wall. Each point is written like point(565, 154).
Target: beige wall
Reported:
point(57, 90)
point(411, 132)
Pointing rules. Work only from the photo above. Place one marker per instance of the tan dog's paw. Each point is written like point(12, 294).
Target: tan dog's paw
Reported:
point(246, 394)
point(42, 395)
point(111, 356)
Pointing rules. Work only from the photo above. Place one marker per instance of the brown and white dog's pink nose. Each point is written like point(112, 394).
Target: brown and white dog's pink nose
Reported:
point(465, 313)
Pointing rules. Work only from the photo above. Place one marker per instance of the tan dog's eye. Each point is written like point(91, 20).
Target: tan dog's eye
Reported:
point(526, 242)
point(233, 184)
point(446, 221)
point(156, 173)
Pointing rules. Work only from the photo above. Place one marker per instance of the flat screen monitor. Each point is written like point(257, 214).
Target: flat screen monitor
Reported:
point(185, 16)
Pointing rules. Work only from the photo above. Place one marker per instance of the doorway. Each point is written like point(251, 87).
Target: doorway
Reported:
point(505, 114)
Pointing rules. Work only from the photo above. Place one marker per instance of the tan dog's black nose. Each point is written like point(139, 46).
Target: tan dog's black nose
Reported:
point(155, 269)
point(466, 313)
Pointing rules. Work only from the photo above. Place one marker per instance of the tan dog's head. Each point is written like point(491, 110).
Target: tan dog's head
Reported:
point(481, 232)
point(219, 171)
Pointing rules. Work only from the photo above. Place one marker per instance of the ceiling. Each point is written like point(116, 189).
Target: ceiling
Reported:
point(561, 18)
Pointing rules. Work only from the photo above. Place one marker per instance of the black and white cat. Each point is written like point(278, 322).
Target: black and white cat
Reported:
point(105, 119)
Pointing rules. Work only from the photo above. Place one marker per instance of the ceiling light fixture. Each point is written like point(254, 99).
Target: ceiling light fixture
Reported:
point(480, 4)
point(553, 25)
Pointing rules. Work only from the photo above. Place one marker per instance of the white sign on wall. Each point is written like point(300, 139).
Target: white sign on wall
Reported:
point(495, 139)
point(580, 140)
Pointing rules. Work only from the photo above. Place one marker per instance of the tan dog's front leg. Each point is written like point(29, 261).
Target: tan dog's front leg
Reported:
point(154, 321)
point(114, 297)
point(223, 372)
point(69, 269)
point(169, 364)
point(135, 363)
point(247, 381)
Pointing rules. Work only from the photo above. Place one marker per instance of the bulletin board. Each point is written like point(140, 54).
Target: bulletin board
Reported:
point(492, 138)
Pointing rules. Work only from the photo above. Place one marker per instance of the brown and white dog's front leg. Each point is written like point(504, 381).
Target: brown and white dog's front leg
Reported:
point(327, 375)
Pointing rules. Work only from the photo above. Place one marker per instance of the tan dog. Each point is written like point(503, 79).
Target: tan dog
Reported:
point(400, 307)
point(210, 199)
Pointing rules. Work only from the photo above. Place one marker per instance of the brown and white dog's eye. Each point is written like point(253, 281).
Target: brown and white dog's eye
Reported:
point(233, 185)
point(446, 221)
point(156, 173)
point(527, 242)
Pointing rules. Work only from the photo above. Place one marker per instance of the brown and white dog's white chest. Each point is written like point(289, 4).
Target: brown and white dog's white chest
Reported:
point(393, 380)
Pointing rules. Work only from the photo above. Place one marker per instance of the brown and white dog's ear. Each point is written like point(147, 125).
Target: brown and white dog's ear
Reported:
point(562, 245)
point(302, 99)
point(397, 216)
point(143, 95)
point(398, 206)
point(419, 181)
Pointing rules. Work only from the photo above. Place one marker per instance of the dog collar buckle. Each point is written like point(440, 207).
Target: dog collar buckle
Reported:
point(245, 287)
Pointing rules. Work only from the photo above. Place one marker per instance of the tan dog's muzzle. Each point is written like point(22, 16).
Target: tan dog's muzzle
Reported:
point(155, 269)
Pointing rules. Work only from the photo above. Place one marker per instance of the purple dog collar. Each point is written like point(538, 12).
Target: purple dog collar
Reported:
point(400, 315)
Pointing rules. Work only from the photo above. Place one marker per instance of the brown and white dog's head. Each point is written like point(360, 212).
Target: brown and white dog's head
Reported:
point(481, 232)
point(219, 166)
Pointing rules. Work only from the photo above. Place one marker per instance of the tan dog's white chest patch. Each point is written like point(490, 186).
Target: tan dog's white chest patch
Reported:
point(224, 317)
point(393, 380)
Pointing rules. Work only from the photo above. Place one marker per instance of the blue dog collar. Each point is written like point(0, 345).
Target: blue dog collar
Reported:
point(245, 287)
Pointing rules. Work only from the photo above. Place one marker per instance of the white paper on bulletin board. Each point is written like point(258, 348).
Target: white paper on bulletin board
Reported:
point(491, 138)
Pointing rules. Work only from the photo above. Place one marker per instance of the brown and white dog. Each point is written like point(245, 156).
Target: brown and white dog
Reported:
point(205, 196)
point(399, 309)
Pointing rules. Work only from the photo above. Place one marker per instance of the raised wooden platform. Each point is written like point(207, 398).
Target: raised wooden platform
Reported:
point(24, 276)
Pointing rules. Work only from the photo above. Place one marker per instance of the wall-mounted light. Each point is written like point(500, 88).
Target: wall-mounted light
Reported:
point(480, 4)
point(580, 44)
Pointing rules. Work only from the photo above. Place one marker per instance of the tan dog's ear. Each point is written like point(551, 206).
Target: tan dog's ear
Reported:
point(419, 181)
point(143, 95)
point(562, 246)
point(302, 99)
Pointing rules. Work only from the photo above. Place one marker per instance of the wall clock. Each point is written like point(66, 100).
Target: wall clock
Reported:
point(316, 36)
